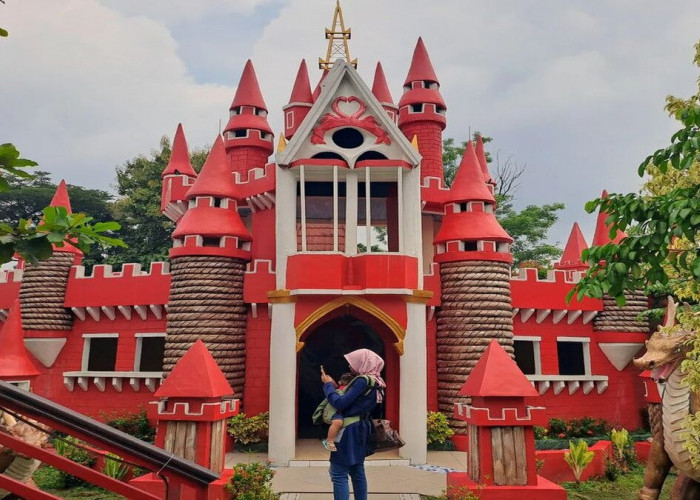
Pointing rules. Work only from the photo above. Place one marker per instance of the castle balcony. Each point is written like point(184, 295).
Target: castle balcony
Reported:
point(117, 380)
point(336, 272)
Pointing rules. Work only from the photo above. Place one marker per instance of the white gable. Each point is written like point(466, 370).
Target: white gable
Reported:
point(347, 121)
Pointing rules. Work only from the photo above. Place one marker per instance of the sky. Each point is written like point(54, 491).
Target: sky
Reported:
point(572, 90)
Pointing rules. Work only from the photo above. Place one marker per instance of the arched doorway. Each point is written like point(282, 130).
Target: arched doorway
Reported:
point(325, 345)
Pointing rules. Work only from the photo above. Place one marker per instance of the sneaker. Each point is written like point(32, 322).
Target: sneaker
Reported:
point(330, 446)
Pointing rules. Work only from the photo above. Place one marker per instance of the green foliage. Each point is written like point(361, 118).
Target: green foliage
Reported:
point(625, 487)
point(584, 427)
point(691, 436)
point(438, 427)
point(49, 478)
point(251, 482)
point(11, 163)
point(620, 440)
point(144, 229)
point(456, 493)
point(578, 457)
point(541, 432)
point(73, 449)
point(114, 467)
point(134, 424)
point(248, 430)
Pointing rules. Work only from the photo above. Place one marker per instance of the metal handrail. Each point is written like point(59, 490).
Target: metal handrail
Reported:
point(51, 413)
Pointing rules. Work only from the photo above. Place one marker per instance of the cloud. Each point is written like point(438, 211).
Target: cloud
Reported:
point(573, 89)
point(86, 88)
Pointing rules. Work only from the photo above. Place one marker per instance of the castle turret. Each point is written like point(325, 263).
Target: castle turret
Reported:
point(380, 89)
point(178, 177)
point(16, 364)
point(614, 318)
point(575, 245)
point(208, 259)
point(422, 111)
point(43, 289)
point(249, 138)
point(474, 255)
point(300, 102)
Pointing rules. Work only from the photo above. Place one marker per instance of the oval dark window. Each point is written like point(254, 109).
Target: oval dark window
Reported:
point(348, 138)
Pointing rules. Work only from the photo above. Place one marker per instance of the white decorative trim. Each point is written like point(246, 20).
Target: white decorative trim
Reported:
point(142, 311)
point(557, 316)
point(588, 316)
point(573, 382)
point(620, 353)
point(157, 310)
point(505, 414)
point(46, 350)
point(525, 314)
point(573, 316)
point(125, 310)
point(574, 386)
point(573, 339)
point(588, 386)
point(79, 312)
point(179, 408)
point(558, 386)
point(151, 379)
point(94, 312)
point(109, 312)
point(542, 315)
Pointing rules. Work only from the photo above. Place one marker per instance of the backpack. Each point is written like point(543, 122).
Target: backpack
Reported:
point(325, 411)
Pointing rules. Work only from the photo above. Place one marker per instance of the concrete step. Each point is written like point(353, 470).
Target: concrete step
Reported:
point(370, 496)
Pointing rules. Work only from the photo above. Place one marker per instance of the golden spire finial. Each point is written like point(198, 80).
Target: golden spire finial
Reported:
point(282, 143)
point(337, 37)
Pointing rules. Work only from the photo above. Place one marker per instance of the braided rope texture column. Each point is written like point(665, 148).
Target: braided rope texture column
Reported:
point(43, 292)
point(476, 308)
point(622, 319)
point(206, 302)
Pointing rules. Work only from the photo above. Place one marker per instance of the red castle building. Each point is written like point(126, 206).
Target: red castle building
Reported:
point(276, 267)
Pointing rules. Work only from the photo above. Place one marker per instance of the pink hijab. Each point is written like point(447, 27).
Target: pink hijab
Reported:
point(366, 362)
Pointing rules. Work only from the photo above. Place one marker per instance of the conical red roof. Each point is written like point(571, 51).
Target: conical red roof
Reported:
point(602, 231)
point(248, 92)
point(14, 359)
point(380, 88)
point(196, 375)
point(481, 156)
point(469, 183)
point(60, 197)
point(496, 374)
point(421, 67)
point(179, 163)
point(571, 258)
point(301, 92)
point(216, 178)
point(471, 226)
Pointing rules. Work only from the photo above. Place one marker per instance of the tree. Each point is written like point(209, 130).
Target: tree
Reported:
point(33, 238)
point(144, 229)
point(529, 226)
point(662, 247)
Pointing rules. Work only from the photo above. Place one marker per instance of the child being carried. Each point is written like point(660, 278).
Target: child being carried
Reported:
point(330, 415)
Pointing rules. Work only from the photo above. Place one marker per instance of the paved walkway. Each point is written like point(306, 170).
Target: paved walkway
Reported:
point(307, 477)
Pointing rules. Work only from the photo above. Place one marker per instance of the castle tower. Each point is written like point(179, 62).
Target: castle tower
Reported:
point(248, 136)
point(300, 102)
point(474, 255)
point(380, 89)
point(614, 318)
point(43, 288)
point(575, 245)
point(208, 259)
point(422, 112)
point(178, 177)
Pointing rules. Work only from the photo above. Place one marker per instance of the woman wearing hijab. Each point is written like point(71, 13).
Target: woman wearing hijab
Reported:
point(359, 399)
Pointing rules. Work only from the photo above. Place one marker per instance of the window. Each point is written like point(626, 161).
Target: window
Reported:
point(527, 354)
point(100, 352)
point(574, 356)
point(289, 116)
point(149, 352)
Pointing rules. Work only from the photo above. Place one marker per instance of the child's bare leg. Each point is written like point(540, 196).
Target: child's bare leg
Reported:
point(329, 442)
point(334, 429)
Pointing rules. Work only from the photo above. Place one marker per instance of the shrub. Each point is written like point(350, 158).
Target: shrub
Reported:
point(251, 482)
point(134, 424)
point(541, 432)
point(248, 430)
point(438, 428)
point(621, 440)
point(577, 428)
point(578, 457)
point(73, 449)
point(49, 478)
point(114, 467)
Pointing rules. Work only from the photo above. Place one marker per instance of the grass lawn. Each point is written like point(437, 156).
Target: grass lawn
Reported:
point(624, 488)
point(85, 493)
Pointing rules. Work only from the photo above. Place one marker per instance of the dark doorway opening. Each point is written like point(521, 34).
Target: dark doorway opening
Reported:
point(326, 346)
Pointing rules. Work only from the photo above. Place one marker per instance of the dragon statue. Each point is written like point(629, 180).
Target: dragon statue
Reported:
point(665, 350)
point(17, 466)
